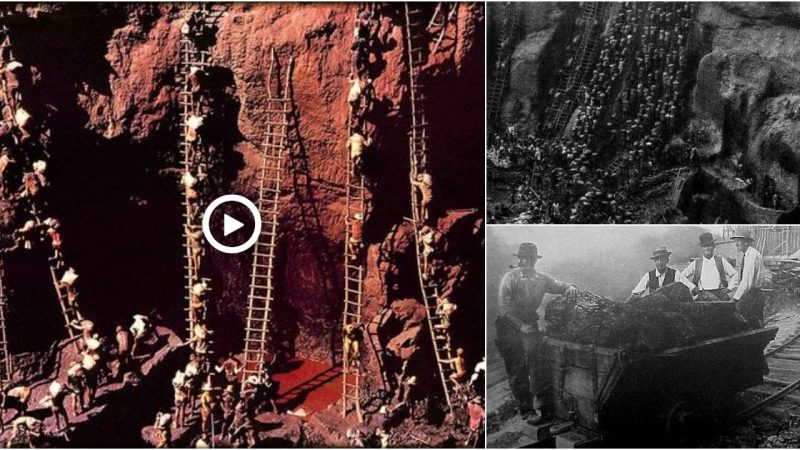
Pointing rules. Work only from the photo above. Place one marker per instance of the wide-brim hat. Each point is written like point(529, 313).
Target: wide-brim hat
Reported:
point(527, 250)
point(660, 252)
point(743, 233)
point(707, 239)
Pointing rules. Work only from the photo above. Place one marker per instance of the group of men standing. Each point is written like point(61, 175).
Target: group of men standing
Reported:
point(520, 340)
point(712, 278)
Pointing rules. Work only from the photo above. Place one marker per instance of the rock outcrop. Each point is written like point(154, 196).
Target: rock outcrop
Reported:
point(745, 97)
point(109, 80)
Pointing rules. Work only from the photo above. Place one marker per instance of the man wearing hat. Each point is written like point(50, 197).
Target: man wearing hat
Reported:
point(661, 275)
point(748, 293)
point(713, 275)
point(518, 338)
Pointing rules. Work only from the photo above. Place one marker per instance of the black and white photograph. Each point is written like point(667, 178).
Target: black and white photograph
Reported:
point(643, 112)
point(643, 335)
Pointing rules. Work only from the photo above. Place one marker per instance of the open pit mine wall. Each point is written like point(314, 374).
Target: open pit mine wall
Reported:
point(744, 67)
point(108, 82)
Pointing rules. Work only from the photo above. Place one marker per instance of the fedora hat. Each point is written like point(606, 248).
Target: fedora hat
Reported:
point(660, 252)
point(707, 239)
point(743, 233)
point(528, 249)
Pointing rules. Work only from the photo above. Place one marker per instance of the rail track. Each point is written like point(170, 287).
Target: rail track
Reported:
point(783, 379)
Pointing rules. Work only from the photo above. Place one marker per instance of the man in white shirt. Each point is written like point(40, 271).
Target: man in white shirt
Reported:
point(713, 276)
point(747, 296)
point(660, 276)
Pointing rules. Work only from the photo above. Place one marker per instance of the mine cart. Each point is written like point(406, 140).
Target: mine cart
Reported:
point(614, 394)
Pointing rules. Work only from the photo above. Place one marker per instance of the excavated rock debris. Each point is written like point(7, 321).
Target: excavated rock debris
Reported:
point(666, 318)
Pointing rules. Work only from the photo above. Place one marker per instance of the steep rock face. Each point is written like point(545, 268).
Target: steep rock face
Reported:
point(535, 58)
point(746, 85)
point(109, 74)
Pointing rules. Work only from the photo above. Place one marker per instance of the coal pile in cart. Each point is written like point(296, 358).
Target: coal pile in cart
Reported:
point(666, 318)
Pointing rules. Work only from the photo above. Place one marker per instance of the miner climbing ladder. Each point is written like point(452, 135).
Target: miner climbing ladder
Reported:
point(6, 368)
point(356, 206)
point(502, 69)
point(418, 147)
point(69, 308)
point(562, 105)
point(274, 150)
point(191, 56)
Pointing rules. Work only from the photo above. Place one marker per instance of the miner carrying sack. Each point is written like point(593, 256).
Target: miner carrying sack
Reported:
point(519, 339)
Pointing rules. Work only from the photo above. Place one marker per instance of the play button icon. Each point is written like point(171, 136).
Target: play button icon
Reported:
point(230, 224)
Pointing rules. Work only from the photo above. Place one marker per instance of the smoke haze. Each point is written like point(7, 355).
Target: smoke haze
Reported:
point(605, 260)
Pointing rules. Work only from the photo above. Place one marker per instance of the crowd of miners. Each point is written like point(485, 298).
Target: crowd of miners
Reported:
point(227, 401)
point(24, 138)
point(625, 112)
point(403, 392)
point(546, 196)
point(195, 387)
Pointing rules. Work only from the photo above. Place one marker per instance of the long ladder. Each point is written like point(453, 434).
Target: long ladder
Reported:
point(560, 110)
point(353, 285)
point(274, 148)
point(354, 270)
point(503, 70)
point(6, 368)
point(418, 147)
point(69, 309)
point(191, 56)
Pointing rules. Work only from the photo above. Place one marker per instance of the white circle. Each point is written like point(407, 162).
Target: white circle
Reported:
point(242, 201)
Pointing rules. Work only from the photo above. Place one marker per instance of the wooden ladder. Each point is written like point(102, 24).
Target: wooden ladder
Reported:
point(69, 311)
point(418, 146)
point(191, 56)
point(501, 73)
point(279, 109)
point(354, 270)
point(445, 14)
point(8, 110)
point(559, 111)
point(212, 12)
point(374, 339)
point(353, 286)
point(6, 367)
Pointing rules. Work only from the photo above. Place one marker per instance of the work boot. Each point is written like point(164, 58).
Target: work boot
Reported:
point(538, 416)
